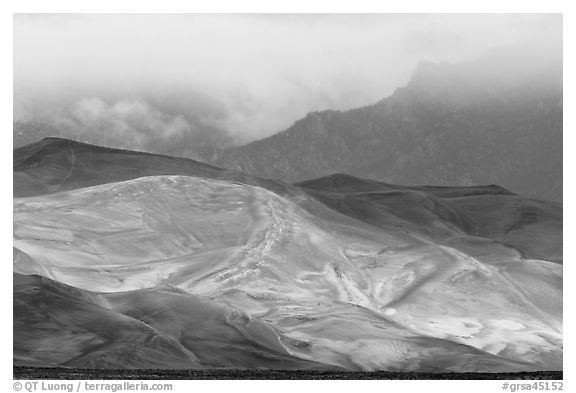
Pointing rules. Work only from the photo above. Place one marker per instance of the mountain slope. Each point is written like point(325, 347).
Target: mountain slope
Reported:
point(472, 123)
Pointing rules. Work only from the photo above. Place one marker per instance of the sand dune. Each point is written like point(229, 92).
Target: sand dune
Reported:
point(56, 164)
point(158, 328)
point(234, 271)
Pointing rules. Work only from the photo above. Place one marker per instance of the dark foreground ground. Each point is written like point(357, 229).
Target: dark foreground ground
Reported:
point(69, 373)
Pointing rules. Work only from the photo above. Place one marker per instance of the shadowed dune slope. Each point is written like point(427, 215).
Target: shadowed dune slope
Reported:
point(60, 325)
point(56, 164)
point(55, 324)
point(344, 183)
point(468, 214)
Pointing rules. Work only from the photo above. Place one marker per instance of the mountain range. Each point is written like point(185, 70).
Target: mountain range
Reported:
point(453, 124)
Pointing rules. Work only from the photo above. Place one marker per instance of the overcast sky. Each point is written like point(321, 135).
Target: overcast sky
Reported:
point(232, 78)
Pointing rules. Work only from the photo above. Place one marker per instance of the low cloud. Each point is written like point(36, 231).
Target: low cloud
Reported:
point(131, 121)
point(218, 79)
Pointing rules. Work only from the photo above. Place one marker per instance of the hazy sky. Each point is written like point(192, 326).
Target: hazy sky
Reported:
point(217, 78)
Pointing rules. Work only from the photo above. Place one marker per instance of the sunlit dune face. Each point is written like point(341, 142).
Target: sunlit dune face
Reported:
point(302, 287)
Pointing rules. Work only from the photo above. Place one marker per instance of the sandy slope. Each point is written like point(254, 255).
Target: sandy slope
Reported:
point(382, 278)
point(56, 164)
point(56, 324)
